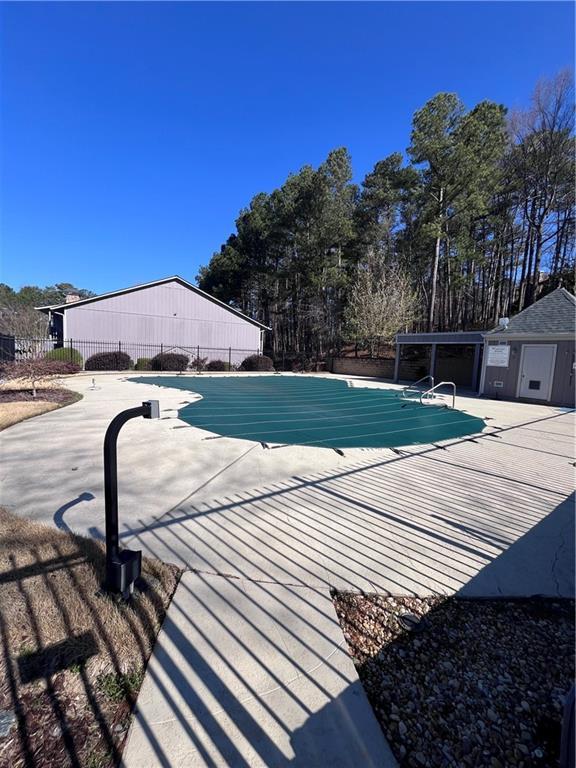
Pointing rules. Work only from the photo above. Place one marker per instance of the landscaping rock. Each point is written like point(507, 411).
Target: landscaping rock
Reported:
point(7, 722)
point(482, 685)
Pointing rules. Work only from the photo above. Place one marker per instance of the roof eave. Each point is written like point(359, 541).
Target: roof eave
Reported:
point(176, 278)
point(519, 335)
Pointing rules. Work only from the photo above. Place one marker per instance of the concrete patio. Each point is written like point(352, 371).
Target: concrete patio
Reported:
point(250, 668)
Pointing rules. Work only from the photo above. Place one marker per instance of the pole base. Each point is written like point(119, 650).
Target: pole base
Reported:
point(122, 571)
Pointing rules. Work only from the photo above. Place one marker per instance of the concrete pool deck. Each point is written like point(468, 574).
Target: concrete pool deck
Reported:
point(165, 464)
point(250, 667)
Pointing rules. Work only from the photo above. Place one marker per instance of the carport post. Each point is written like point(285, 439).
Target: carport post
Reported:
point(122, 566)
point(477, 348)
point(397, 361)
point(433, 361)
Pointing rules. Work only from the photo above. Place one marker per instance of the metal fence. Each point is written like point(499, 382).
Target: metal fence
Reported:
point(14, 348)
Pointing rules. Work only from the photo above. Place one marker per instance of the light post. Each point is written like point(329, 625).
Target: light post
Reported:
point(123, 566)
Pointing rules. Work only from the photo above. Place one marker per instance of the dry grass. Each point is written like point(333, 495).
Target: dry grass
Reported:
point(12, 413)
point(51, 382)
point(25, 384)
point(18, 410)
point(72, 659)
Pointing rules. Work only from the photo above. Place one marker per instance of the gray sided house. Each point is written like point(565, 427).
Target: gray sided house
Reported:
point(164, 315)
point(531, 357)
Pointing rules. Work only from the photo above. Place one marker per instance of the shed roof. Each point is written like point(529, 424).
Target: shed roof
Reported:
point(553, 314)
point(173, 279)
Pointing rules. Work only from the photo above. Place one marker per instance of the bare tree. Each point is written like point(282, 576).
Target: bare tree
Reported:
point(381, 303)
point(35, 370)
point(22, 321)
point(543, 160)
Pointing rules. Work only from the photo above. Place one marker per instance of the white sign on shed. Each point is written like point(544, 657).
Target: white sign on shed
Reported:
point(498, 355)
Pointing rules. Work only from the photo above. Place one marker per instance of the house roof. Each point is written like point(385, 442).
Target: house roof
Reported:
point(173, 279)
point(553, 314)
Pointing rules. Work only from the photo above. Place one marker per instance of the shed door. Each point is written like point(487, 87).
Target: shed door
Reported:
point(537, 371)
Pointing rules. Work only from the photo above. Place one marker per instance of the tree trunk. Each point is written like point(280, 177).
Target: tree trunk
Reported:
point(436, 261)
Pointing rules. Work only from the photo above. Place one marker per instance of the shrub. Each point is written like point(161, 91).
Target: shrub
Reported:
point(143, 364)
point(169, 361)
point(299, 363)
point(63, 367)
point(109, 361)
point(35, 370)
point(66, 355)
point(218, 365)
point(198, 363)
point(257, 363)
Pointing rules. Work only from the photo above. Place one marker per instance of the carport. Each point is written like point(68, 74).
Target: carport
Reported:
point(453, 357)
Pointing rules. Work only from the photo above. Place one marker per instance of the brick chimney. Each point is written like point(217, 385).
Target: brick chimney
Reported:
point(70, 297)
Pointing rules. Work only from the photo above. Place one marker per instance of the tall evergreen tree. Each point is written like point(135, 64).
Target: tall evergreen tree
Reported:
point(481, 221)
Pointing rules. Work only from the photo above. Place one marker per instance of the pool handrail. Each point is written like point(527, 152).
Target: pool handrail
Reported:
point(429, 392)
point(412, 387)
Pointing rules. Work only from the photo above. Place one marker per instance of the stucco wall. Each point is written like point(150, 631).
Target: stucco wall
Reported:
point(168, 314)
point(563, 381)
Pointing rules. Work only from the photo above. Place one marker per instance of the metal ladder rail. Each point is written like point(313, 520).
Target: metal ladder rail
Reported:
point(429, 393)
point(412, 387)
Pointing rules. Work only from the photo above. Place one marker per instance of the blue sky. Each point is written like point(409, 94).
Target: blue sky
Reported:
point(133, 133)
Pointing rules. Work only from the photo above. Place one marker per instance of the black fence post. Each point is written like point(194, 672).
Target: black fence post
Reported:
point(123, 566)
point(229, 358)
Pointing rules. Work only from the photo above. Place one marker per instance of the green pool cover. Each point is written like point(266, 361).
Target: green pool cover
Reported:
point(304, 410)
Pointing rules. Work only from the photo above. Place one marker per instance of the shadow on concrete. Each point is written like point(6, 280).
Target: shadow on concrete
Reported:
point(355, 522)
point(59, 514)
point(365, 524)
point(335, 730)
point(543, 555)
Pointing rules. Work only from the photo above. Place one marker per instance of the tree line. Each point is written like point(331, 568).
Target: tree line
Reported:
point(476, 222)
point(17, 314)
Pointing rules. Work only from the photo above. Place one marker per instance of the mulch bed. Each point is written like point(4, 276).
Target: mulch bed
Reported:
point(475, 683)
point(61, 396)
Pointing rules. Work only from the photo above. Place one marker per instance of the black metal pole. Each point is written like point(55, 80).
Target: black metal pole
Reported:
point(122, 566)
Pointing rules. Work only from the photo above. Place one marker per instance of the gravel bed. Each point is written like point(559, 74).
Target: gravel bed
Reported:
point(474, 683)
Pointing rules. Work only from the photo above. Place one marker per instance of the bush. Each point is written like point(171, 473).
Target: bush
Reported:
point(63, 367)
point(35, 370)
point(198, 363)
point(257, 363)
point(66, 355)
point(109, 361)
point(218, 365)
point(298, 363)
point(169, 361)
point(143, 364)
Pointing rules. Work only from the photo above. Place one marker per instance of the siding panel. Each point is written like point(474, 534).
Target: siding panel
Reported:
point(563, 382)
point(168, 314)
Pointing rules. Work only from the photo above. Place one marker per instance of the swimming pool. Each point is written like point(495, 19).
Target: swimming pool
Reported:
point(307, 410)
